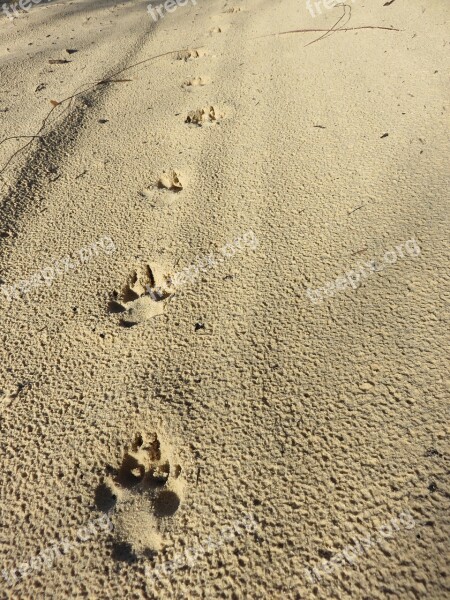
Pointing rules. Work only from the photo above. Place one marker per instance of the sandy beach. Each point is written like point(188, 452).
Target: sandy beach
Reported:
point(224, 300)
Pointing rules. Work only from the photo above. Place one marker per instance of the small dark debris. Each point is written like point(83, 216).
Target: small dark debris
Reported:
point(320, 126)
point(59, 61)
point(198, 326)
point(432, 487)
point(355, 209)
point(388, 3)
point(385, 135)
point(71, 50)
point(40, 87)
point(103, 121)
point(326, 554)
point(432, 452)
point(25, 384)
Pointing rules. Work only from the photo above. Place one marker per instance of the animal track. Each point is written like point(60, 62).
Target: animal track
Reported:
point(143, 296)
point(142, 493)
point(234, 9)
point(190, 54)
point(203, 116)
point(194, 82)
point(170, 181)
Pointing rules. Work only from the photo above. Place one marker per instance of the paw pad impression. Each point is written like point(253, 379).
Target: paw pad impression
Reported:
point(143, 296)
point(142, 493)
point(203, 116)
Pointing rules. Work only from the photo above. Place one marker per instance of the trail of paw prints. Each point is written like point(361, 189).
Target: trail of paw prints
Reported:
point(143, 296)
point(141, 495)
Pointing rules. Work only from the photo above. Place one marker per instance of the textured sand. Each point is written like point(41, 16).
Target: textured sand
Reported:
point(218, 432)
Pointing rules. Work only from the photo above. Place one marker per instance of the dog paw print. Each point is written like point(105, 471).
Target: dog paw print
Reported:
point(170, 180)
point(203, 116)
point(190, 54)
point(142, 494)
point(143, 297)
point(195, 82)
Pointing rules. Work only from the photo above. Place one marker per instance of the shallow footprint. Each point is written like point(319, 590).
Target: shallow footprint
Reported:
point(143, 296)
point(145, 490)
point(190, 54)
point(195, 82)
point(170, 181)
point(203, 116)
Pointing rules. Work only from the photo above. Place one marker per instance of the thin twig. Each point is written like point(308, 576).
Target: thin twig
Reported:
point(104, 81)
point(360, 251)
point(355, 209)
point(332, 30)
point(16, 137)
point(343, 29)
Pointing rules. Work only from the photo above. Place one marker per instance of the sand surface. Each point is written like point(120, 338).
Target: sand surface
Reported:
point(224, 337)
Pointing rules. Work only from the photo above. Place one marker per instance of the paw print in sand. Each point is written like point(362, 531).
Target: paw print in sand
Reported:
point(190, 54)
point(204, 116)
point(194, 82)
point(143, 296)
point(142, 494)
point(169, 180)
